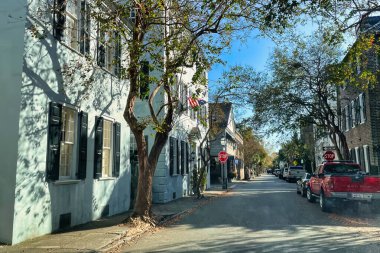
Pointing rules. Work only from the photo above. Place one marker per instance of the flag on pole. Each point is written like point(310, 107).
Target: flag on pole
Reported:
point(193, 102)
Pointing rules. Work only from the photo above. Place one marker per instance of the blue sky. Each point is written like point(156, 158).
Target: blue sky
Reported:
point(254, 52)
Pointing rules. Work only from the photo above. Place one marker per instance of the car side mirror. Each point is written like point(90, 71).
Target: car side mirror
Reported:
point(321, 175)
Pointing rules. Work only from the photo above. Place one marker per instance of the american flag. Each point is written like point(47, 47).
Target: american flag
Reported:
point(193, 102)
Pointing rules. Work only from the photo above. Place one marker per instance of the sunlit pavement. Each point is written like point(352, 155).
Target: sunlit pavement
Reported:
point(266, 215)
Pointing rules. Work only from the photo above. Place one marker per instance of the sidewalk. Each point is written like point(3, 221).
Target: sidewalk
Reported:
point(107, 233)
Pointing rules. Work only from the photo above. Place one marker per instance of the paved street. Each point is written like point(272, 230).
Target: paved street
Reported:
point(265, 215)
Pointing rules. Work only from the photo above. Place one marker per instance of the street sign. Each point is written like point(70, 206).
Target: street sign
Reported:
point(328, 148)
point(223, 156)
point(329, 155)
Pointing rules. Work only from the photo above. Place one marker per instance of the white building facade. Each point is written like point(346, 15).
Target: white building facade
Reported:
point(65, 143)
point(182, 152)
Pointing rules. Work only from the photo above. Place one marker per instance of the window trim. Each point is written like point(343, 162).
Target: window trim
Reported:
point(55, 137)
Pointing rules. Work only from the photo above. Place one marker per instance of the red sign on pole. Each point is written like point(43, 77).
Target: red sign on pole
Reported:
point(223, 156)
point(329, 155)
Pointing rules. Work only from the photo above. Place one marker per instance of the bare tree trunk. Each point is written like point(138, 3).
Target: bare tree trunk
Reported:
point(199, 182)
point(147, 167)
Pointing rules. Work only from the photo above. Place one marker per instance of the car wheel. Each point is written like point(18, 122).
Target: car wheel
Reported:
point(310, 196)
point(324, 203)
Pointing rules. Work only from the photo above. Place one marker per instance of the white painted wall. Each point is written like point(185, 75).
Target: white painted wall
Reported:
point(12, 23)
point(38, 204)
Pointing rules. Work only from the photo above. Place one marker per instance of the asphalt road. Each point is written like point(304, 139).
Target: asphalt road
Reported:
point(266, 215)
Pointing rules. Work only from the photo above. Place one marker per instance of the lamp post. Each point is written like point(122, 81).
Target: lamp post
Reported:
point(223, 142)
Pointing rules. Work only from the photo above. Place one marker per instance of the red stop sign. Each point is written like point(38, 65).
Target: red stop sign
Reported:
point(223, 156)
point(329, 155)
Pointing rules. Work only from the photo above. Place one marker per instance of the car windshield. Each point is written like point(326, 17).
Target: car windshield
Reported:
point(341, 169)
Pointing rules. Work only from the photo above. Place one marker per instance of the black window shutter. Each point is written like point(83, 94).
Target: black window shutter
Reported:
point(116, 149)
point(178, 157)
point(171, 153)
point(59, 18)
point(54, 141)
point(98, 147)
point(82, 165)
point(183, 171)
point(117, 55)
point(187, 158)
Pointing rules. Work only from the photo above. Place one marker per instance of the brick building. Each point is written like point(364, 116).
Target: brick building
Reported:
point(360, 112)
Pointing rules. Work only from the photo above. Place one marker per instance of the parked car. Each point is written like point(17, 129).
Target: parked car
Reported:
point(302, 184)
point(295, 173)
point(269, 171)
point(277, 172)
point(285, 173)
point(342, 181)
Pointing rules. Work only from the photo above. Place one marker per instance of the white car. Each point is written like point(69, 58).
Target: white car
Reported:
point(294, 173)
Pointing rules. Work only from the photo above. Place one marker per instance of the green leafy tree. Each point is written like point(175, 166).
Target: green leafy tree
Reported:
point(303, 88)
point(173, 35)
point(255, 155)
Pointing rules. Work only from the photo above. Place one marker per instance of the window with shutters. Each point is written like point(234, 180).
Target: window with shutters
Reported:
point(72, 24)
point(66, 160)
point(107, 148)
point(67, 143)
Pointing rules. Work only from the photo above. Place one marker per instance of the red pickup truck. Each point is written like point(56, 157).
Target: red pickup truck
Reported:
point(343, 181)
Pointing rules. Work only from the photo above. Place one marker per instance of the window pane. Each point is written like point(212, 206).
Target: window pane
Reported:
point(106, 163)
point(67, 142)
point(65, 159)
point(107, 141)
point(71, 32)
